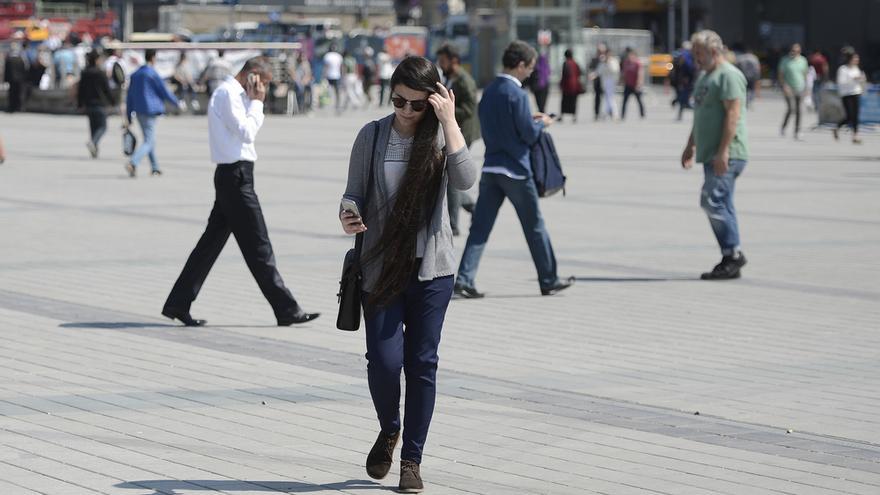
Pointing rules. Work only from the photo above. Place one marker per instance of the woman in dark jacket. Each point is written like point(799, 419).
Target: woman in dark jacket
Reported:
point(571, 86)
point(92, 96)
point(408, 260)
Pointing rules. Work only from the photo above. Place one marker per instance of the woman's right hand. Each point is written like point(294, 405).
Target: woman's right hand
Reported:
point(351, 223)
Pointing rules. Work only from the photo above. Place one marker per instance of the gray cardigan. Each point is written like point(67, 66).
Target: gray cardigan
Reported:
point(461, 172)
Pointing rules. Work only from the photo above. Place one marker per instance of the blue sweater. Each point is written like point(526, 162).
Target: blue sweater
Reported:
point(508, 128)
point(146, 93)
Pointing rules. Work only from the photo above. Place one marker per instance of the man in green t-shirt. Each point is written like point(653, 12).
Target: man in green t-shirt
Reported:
point(719, 141)
point(793, 79)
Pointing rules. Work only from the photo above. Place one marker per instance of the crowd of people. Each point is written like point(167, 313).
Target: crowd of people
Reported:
point(401, 171)
point(410, 171)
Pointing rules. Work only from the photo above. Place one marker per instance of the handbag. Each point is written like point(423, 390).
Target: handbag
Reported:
point(351, 282)
point(129, 142)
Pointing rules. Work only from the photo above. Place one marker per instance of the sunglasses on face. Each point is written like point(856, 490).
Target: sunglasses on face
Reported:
point(416, 105)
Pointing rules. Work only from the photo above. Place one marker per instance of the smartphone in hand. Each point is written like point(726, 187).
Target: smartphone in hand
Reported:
point(350, 206)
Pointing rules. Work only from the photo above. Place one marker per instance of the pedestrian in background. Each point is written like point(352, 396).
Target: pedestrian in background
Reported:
point(593, 75)
point(609, 74)
point(332, 72)
point(540, 80)
point(235, 116)
point(93, 96)
point(183, 78)
point(353, 89)
point(15, 72)
point(368, 74)
point(571, 86)
point(407, 256)
point(386, 69)
point(146, 99)
point(215, 73)
point(819, 63)
point(718, 140)
point(850, 85)
point(793, 80)
point(66, 66)
point(633, 78)
point(748, 63)
point(509, 131)
point(465, 89)
point(682, 78)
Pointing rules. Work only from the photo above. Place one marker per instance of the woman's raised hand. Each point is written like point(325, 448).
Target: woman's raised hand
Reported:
point(443, 102)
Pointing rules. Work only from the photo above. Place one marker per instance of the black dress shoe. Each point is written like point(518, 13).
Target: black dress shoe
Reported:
point(298, 317)
point(184, 317)
point(466, 292)
point(557, 287)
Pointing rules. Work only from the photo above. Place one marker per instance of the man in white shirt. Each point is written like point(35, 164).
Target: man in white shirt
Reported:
point(235, 115)
point(333, 71)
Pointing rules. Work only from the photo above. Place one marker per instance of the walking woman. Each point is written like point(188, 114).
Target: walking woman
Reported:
point(540, 80)
point(407, 259)
point(571, 86)
point(93, 96)
point(850, 84)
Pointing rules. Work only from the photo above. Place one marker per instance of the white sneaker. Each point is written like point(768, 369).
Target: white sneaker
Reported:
point(93, 150)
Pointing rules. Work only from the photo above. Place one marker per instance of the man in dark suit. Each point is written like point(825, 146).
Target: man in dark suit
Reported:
point(15, 74)
point(235, 115)
point(465, 90)
point(509, 131)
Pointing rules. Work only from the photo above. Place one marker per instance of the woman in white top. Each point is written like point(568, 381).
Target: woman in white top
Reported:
point(850, 84)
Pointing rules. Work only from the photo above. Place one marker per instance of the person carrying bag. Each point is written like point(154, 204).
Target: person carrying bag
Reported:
point(407, 260)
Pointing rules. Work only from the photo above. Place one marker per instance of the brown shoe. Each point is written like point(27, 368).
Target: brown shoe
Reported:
point(379, 459)
point(410, 477)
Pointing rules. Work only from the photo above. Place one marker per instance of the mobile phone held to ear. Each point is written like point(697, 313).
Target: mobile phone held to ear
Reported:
point(253, 79)
point(350, 206)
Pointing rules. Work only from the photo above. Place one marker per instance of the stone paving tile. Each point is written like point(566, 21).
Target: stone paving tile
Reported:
point(592, 391)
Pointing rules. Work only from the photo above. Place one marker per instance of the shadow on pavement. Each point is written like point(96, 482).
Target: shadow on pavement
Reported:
point(170, 487)
point(115, 324)
point(635, 279)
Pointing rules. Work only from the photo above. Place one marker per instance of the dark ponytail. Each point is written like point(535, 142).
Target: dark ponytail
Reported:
point(418, 192)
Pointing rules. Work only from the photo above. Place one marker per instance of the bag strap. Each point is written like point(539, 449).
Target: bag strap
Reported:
point(359, 239)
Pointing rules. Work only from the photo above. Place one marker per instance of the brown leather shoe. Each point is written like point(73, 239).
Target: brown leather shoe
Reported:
point(379, 459)
point(410, 477)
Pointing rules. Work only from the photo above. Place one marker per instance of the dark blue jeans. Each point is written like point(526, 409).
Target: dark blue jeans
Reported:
point(716, 199)
point(405, 334)
point(524, 196)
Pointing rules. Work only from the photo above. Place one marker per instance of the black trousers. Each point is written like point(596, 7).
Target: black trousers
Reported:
point(15, 97)
point(597, 96)
point(541, 98)
point(97, 123)
point(236, 211)
point(627, 91)
point(851, 105)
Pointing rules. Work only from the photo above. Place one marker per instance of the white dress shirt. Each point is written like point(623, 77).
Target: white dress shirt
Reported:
point(233, 122)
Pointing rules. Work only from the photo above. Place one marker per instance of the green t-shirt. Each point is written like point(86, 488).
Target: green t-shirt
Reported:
point(726, 82)
point(794, 72)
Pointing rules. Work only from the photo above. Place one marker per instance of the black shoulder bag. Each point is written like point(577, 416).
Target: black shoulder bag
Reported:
point(350, 285)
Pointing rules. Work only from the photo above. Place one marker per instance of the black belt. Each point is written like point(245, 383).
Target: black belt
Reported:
point(240, 162)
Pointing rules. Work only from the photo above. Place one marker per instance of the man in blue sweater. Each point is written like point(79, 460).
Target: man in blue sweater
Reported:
point(146, 99)
point(509, 131)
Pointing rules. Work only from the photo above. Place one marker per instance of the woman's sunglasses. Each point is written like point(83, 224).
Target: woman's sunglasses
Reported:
point(416, 105)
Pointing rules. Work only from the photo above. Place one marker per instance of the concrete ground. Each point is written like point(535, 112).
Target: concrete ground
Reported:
point(641, 379)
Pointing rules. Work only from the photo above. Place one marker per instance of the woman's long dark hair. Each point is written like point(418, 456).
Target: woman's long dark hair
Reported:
point(418, 191)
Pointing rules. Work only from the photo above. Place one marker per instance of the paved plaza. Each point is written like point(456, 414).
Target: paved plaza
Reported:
point(641, 379)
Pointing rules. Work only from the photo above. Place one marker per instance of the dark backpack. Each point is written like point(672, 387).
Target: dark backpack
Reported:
point(546, 169)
